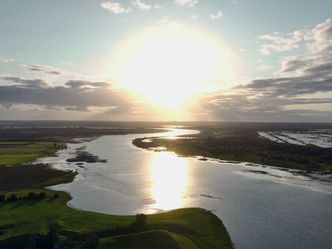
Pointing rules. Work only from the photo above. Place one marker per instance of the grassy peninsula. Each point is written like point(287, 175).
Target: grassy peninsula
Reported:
point(241, 142)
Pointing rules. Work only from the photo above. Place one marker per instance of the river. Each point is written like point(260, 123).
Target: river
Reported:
point(271, 210)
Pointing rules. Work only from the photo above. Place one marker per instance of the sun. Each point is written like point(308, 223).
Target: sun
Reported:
point(167, 65)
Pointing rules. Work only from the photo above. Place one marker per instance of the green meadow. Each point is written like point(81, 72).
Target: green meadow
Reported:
point(182, 228)
point(19, 152)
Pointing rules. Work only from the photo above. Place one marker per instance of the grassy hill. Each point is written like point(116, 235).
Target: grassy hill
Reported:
point(183, 228)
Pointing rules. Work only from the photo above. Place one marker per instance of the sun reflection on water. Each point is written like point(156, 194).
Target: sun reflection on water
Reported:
point(169, 180)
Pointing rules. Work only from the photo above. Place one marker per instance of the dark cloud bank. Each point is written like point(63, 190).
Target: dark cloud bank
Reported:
point(73, 96)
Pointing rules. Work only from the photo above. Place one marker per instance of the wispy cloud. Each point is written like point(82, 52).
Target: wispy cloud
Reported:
point(165, 21)
point(188, 3)
point(5, 60)
point(115, 7)
point(216, 16)
point(281, 42)
point(44, 69)
point(142, 5)
point(263, 67)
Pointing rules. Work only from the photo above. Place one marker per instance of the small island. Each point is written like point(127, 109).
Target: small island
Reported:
point(84, 156)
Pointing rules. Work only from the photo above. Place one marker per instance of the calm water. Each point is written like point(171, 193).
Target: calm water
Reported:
point(280, 210)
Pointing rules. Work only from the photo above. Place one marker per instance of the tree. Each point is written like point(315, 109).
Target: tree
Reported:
point(2, 198)
point(140, 221)
point(41, 195)
point(50, 240)
point(13, 197)
point(32, 196)
point(92, 241)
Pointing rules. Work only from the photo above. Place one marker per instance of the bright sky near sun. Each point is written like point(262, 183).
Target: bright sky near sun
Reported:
point(182, 59)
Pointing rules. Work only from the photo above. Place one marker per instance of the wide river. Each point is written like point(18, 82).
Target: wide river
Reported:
point(260, 211)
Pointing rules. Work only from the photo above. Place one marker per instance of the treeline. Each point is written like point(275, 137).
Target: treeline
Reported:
point(31, 196)
point(30, 177)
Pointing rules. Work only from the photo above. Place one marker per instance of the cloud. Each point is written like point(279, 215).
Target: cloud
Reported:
point(5, 60)
point(278, 42)
point(263, 67)
point(188, 3)
point(115, 7)
point(165, 21)
point(72, 96)
point(141, 5)
point(323, 31)
point(216, 16)
point(44, 69)
point(317, 58)
point(273, 99)
point(300, 91)
point(23, 82)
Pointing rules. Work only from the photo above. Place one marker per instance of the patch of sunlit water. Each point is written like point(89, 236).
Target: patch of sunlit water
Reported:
point(175, 132)
point(169, 180)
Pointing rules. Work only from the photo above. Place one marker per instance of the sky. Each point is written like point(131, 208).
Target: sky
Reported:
point(171, 60)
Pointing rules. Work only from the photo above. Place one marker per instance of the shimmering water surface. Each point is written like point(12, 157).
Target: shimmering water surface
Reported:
point(272, 210)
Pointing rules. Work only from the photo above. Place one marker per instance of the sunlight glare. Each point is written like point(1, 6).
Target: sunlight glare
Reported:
point(169, 180)
point(167, 64)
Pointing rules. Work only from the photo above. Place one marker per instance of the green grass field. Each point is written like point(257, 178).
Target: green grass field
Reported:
point(184, 228)
point(161, 239)
point(19, 152)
